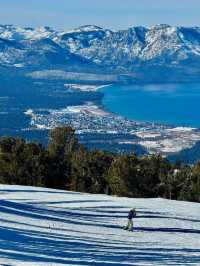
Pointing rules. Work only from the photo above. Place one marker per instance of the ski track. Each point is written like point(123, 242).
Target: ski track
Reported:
point(40, 226)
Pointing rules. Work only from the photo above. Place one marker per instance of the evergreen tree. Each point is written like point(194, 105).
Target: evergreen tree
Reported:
point(62, 144)
point(65, 164)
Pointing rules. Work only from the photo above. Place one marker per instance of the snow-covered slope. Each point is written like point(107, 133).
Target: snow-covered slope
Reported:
point(140, 52)
point(40, 226)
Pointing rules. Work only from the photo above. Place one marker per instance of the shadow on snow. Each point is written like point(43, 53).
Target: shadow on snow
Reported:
point(38, 243)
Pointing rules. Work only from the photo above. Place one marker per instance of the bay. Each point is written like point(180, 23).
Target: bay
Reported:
point(174, 104)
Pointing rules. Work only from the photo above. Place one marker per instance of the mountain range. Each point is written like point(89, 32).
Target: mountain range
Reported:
point(161, 53)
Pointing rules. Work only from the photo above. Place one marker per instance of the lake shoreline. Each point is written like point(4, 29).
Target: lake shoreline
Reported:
point(109, 106)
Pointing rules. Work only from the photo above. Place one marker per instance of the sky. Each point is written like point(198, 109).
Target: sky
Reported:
point(113, 14)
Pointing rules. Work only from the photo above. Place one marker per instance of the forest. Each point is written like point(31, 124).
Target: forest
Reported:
point(68, 165)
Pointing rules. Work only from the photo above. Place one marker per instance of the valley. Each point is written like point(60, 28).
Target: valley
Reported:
point(50, 78)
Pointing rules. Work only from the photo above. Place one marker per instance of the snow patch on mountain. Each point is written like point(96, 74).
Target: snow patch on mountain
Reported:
point(18, 33)
point(142, 52)
point(85, 28)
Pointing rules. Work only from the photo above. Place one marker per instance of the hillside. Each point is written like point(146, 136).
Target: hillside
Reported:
point(161, 53)
point(41, 226)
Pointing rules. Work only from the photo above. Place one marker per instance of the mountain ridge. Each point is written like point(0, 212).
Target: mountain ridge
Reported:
point(150, 54)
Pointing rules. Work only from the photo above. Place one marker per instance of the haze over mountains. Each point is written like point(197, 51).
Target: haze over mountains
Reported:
point(157, 54)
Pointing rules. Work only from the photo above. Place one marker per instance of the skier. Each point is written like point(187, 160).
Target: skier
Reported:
point(131, 215)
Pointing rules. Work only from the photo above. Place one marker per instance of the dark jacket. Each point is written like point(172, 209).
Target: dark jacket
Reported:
point(131, 214)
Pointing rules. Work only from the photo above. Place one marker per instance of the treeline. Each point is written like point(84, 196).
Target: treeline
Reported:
point(66, 164)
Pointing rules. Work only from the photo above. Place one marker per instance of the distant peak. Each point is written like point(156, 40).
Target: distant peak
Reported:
point(160, 26)
point(85, 28)
point(90, 28)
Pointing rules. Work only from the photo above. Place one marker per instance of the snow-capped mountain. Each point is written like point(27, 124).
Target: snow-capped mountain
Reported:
point(41, 226)
point(138, 52)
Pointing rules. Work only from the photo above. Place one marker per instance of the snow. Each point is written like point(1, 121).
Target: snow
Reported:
point(183, 129)
point(144, 134)
point(86, 28)
point(41, 226)
point(83, 87)
point(29, 112)
point(88, 108)
point(119, 50)
point(18, 33)
point(19, 65)
point(64, 75)
point(167, 140)
point(166, 146)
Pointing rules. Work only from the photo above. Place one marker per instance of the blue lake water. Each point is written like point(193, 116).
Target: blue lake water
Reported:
point(174, 104)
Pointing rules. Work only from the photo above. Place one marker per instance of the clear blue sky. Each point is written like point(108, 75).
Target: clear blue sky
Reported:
point(114, 14)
